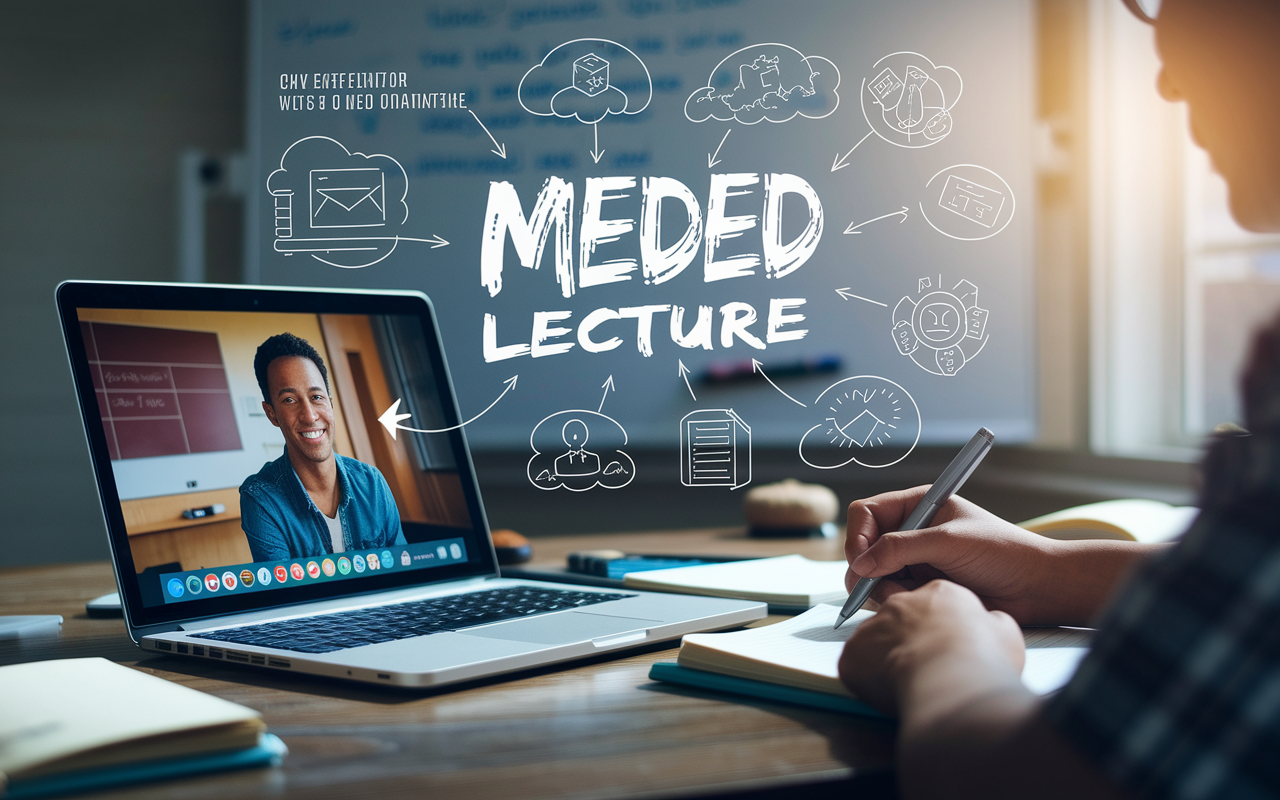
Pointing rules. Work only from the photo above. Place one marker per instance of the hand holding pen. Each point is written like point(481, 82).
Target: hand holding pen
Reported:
point(948, 483)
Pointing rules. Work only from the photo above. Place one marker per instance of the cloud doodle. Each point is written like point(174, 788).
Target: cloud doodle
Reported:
point(587, 80)
point(907, 99)
point(766, 81)
point(579, 450)
point(342, 208)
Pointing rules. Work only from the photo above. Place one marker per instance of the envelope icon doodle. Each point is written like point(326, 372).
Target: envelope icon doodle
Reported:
point(348, 198)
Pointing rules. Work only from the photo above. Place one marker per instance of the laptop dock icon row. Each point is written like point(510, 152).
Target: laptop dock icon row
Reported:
point(198, 584)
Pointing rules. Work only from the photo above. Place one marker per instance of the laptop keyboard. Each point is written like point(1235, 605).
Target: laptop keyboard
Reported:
point(330, 632)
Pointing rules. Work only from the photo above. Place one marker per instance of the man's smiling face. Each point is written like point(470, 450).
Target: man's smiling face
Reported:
point(300, 407)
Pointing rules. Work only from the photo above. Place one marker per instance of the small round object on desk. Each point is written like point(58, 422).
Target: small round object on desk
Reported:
point(791, 509)
point(511, 547)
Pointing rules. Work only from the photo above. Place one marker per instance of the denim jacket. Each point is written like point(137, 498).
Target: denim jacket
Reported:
point(281, 522)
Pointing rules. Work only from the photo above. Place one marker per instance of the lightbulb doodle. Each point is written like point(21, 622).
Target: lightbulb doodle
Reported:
point(908, 99)
point(968, 202)
point(579, 450)
point(941, 330)
point(354, 209)
point(870, 421)
point(766, 81)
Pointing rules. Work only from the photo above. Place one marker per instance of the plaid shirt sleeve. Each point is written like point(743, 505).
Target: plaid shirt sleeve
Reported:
point(1180, 695)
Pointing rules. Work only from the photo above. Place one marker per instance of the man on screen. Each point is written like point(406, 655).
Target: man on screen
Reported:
point(310, 501)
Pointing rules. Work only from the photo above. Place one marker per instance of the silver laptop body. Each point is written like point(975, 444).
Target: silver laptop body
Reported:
point(145, 355)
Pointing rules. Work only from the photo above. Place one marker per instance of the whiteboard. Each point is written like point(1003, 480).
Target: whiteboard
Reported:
point(861, 172)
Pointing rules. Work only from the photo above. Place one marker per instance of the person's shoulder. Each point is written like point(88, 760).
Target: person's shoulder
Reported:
point(354, 466)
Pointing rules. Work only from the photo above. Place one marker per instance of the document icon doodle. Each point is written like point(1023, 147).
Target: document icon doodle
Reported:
point(971, 200)
point(348, 198)
point(715, 449)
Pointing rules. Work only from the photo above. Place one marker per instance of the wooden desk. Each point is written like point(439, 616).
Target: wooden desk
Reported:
point(600, 729)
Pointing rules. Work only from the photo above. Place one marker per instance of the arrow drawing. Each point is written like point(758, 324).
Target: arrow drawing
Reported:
point(684, 373)
point(390, 419)
point(839, 163)
point(847, 295)
point(501, 152)
point(756, 366)
point(608, 387)
point(596, 152)
point(711, 157)
point(435, 241)
point(854, 228)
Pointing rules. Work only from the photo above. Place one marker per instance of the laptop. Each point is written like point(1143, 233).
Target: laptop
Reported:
point(263, 508)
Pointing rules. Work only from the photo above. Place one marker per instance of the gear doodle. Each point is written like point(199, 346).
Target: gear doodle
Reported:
point(936, 330)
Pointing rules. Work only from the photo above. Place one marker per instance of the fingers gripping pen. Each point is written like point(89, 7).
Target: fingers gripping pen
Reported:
point(948, 483)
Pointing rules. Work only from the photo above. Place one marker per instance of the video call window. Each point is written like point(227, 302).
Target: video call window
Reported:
point(206, 474)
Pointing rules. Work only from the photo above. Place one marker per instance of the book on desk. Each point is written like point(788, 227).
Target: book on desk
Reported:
point(78, 724)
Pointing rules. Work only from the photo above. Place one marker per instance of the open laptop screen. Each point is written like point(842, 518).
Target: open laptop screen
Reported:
point(244, 451)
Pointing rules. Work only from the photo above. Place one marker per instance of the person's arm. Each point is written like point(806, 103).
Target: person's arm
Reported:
point(1037, 580)
point(392, 530)
point(266, 538)
point(950, 669)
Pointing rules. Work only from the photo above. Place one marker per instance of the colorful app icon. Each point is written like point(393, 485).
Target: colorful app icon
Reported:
point(328, 567)
point(282, 574)
point(386, 559)
point(405, 559)
point(175, 588)
point(229, 580)
point(211, 582)
point(313, 569)
point(357, 561)
point(264, 576)
point(295, 570)
point(246, 577)
point(373, 561)
point(194, 584)
point(344, 565)
point(455, 550)
point(442, 553)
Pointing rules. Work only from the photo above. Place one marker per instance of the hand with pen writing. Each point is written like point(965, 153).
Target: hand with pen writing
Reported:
point(1036, 580)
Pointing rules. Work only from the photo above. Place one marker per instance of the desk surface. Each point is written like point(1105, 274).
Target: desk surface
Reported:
point(599, 729)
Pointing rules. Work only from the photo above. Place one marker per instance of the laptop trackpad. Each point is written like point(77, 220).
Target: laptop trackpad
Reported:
point(570, 626)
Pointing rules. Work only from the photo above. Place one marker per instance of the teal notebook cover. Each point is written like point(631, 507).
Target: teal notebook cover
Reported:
point(672, 672)
point(269, 752)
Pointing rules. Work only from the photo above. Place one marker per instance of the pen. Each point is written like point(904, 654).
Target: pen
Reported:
point(948, 483)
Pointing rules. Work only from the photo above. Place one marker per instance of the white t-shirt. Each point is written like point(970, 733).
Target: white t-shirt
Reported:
point(335, 532)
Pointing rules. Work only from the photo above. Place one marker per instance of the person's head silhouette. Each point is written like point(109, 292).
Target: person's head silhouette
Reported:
point(575, 434)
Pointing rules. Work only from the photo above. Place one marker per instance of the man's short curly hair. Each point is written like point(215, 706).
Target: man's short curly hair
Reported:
point(284, 345)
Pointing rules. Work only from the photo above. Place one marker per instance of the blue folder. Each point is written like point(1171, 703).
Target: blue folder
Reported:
point(268, 752)
point(672, 672)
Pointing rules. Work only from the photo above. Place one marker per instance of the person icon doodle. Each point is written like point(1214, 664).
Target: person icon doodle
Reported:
point(578, 461)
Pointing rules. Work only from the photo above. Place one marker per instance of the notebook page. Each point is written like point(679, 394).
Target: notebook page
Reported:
point(808, 643)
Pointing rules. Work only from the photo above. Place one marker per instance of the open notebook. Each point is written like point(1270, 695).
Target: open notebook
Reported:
point(1132, 519)
point(802, 653)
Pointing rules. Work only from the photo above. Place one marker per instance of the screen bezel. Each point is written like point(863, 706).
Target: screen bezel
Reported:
point(75, 295)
